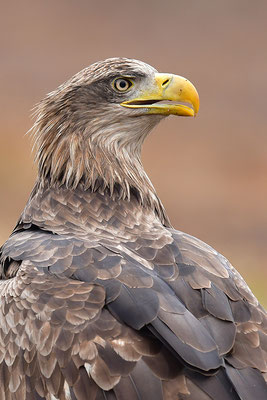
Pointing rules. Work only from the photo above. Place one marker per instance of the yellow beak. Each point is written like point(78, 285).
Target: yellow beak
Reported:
point(164, 96)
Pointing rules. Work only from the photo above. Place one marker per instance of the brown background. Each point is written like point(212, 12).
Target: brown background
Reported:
point(209, 171)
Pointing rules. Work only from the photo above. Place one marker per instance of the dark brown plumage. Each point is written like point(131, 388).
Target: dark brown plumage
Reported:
point(100, 297)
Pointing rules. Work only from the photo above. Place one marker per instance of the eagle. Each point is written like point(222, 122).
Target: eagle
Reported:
point(101, 298)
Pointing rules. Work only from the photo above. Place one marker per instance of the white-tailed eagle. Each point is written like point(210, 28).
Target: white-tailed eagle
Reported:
point(101, 298)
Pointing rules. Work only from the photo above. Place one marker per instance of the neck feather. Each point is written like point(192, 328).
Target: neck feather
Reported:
point(88, 159)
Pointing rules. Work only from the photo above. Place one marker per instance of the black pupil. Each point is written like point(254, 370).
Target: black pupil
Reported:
point(122, 84)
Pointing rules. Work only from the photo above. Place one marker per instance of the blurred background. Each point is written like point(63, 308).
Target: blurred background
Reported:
point(210, 171)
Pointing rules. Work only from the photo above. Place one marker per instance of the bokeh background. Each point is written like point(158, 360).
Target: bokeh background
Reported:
point(210, 171)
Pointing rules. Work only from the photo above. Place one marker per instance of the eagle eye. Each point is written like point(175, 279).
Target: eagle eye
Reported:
point(122, 84)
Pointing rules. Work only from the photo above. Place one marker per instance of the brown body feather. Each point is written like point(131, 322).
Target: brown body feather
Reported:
point(100, 297)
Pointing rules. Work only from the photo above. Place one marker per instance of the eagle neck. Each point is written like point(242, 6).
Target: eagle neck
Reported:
point(77, 159)
point(95, 155)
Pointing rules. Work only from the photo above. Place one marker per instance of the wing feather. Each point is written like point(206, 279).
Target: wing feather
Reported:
point(149, 311)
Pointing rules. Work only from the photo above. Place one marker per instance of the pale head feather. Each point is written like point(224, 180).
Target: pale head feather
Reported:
point(84, 137)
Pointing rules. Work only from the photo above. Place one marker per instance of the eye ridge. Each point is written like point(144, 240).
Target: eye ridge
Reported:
point(122, 84)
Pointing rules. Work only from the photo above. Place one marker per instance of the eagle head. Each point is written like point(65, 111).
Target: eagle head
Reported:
point(91, 128)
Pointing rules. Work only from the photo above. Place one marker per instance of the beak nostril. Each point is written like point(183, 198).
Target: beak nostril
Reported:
point(165, 82)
